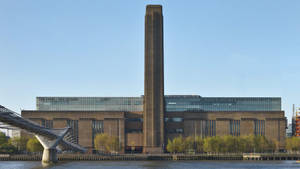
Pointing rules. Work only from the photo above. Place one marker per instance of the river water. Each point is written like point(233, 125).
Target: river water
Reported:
point(153, 165)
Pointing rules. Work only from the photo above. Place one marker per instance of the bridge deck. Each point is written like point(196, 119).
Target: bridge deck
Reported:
point(14, 119)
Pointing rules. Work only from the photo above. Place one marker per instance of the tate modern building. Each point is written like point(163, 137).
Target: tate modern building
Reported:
point(148, 121)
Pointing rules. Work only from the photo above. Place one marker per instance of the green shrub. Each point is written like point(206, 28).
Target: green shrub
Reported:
point(33, 145)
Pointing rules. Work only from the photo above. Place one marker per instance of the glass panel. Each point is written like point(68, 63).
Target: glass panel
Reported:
point(173, 103)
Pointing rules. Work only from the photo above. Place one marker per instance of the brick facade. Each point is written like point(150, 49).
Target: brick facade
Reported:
point(128, 126)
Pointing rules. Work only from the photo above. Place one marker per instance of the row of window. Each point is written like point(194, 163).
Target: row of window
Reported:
point(72, 136)
point(203, 128)
point(178, 103)
point(206, 128)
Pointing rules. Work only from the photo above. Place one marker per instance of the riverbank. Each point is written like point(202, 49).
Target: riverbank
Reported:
point(158, 157)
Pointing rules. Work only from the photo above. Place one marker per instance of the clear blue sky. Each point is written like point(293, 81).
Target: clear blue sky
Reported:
point(96, 48)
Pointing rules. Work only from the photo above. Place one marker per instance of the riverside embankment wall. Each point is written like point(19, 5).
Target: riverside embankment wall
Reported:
point(145, 157)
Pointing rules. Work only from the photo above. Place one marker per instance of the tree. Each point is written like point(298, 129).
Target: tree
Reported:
point(213, 144)
point(132, 145)
point(100, 142)
point(239, 144)
point(230, 144)
point(114, 144)
point(3, 138)
point(19, 142)
point(179, 144)
point(33, 145)
point(170, 146)
point(273, 145)
point(244, 144)
point(249, 144)
point(103, 142)
point(188, 144)
point(293, 144)
point(199, 144)
point(176, 145)
point(261, 144)
point(7, 148)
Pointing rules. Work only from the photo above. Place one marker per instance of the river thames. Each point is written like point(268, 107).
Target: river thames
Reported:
point(153, 165)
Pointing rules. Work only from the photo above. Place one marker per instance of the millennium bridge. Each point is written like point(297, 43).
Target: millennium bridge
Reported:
point(51, 139)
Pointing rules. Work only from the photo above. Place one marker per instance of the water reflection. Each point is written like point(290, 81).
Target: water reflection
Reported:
point(151, 165)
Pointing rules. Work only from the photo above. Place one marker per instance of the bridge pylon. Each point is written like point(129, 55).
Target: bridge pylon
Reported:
point(50, 152)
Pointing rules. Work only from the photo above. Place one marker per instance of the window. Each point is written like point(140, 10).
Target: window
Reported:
point(134, 119)
point(210, 128)
point(177, 130)
point(204, 128)
point(173, 119)
point(177, 119)
point(72, 136)
point(259, 127)
point(97, 127)
point(134, 130)
point(47, 123)
point(235, 127)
